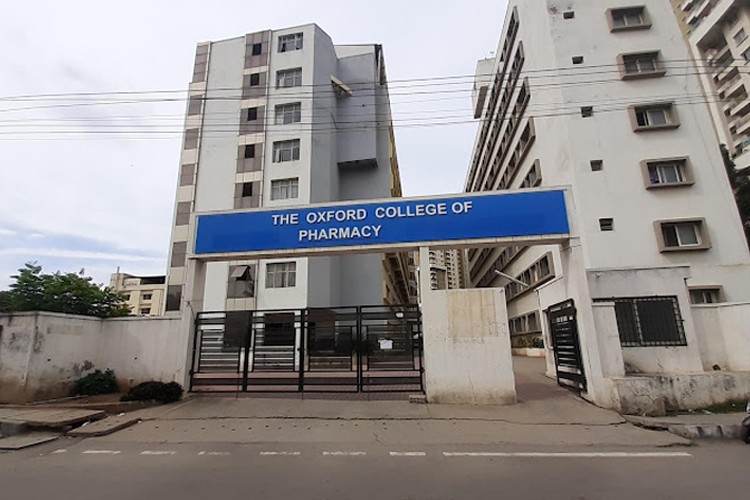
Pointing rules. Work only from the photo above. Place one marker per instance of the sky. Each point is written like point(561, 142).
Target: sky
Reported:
point(88, 181)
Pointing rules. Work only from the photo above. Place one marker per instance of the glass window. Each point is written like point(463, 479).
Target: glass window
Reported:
point(288, 113)
point(652, 117)
point(291, 42)
point(640, 63)
point(704, 295)
point(740, 36)
point(282, 189)
point(683, 234)
point(648, 321)
point(627, 18)
point(668, 172)
point(281, 275)
point(285, 151)
point(147, 296)
point(289, 78)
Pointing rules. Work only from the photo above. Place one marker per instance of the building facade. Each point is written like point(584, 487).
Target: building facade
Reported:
point(718, 34)
point(278, 119)
point(657, 244)
point(144, 294)
point(447, 269)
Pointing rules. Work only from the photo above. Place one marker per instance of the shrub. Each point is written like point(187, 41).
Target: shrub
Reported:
point(537, 342)
point(98, 382)
point(159, 391)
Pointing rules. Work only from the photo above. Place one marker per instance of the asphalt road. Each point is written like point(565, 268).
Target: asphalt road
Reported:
point(108, 469)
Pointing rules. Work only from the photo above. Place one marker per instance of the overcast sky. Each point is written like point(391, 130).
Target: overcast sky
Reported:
point(93, 186)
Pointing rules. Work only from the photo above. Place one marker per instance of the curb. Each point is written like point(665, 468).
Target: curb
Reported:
point(689, 431)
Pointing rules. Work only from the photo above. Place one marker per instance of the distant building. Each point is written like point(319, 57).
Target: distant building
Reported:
point(718, 32)
point(447, 269)
point(145, 294)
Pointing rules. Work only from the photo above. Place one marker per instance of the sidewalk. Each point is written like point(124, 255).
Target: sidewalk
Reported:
point(711, 426)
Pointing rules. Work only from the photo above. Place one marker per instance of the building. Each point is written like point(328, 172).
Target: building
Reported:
point(717, 31)
point(278, 119)
point(144, 294)
point(658, 249)
point(447, 269)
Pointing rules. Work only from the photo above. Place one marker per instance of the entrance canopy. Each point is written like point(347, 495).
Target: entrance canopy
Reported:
point(387, 225)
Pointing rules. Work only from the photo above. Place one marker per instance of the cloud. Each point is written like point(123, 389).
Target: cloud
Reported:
point(7, 232)
point(77, 254)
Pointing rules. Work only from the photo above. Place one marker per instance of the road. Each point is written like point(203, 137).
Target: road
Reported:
point(431, 467)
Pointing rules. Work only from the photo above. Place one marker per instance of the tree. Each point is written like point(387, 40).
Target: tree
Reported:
point(71, 293)
point(740, 182)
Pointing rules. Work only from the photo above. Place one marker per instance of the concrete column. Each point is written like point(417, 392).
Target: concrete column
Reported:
point(192, 304)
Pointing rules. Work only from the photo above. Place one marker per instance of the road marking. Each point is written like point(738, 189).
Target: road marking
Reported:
point(282, 453)
point(101, 452)
point(213, 453)
point(344, 453)
point(57, 452)
point(150, 452)
point(613, 454)
point(408, 453)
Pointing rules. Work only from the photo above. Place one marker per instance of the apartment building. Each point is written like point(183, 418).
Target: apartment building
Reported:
point(718, 33)
point(657, 248)
point(447, 269)
point(144, 294)
point(277, 119)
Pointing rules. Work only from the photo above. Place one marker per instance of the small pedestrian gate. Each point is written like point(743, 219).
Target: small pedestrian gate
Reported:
point(567, 348)
point(343, 349)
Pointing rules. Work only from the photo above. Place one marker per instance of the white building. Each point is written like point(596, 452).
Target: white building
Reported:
point(144, 294)
point(447, 269)
point(718, 32)
point(582, 94)
point(278, 119)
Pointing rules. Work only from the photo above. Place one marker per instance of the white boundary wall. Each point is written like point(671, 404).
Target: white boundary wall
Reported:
point(41, 353)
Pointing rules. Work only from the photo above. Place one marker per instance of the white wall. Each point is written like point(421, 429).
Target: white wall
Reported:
point(726, 335)
point(42, 354)
point(467, 347)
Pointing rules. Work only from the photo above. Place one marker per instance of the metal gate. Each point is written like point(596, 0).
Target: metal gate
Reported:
point(340, 349)
point(567, 347)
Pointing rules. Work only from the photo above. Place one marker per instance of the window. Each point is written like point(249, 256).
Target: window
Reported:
point(252, 114)
point(629, 18)
point(179, 251)
point(666, 173)
point(705, 295)
point(587, 111)
point(174, 297)
point(285, 151)
point(147, 296)
point(288, 113)
point(569, 14)
point(281, 275)
point(254, 79)
point(250, 151)
point(247, 189)
point(257, 49)
point(682, 235)
point(740, 36)
point(648, 321)
point(191, 138)
point(653, 117)
point(641, 65)
point(241, 282)
point(183, 214)
point(145, 310)
point(577, 59)
point(126, 296)
point(289, 78)
point(194, 104)
point(597, 165)
point(283, 189)
point(287, 43)
point(534, 177)
point(607, 224)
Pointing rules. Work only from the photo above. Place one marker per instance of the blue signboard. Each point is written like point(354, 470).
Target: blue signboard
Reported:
point(396, 221)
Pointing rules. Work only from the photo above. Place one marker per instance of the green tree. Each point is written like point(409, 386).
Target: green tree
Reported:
point(71, 293)
point(740, 182)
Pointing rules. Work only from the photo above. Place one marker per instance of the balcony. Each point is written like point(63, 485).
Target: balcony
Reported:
point(739, 107)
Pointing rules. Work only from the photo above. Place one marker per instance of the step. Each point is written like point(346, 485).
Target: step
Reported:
point(105, 426)
point(25, 440)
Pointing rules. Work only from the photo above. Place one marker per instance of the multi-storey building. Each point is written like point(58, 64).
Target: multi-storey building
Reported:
point(144, 294)
point(655, 230)
point(718, 33)
point(278, 119)
point(446, 269)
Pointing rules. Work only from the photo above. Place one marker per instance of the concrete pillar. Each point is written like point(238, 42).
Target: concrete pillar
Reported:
point(466, 343)
point(192, 304)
